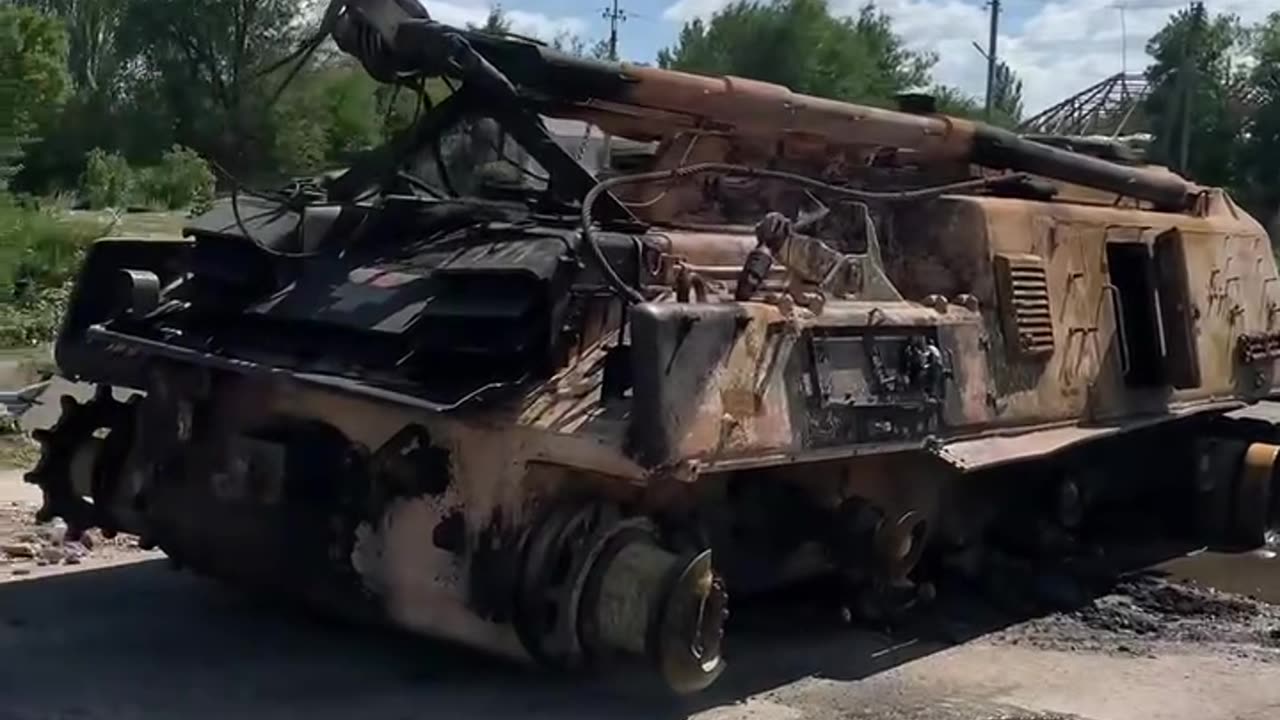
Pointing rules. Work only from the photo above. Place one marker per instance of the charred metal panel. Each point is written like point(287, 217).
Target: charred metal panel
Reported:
point(1177, 315)
point(271, 512)
point(676, 350)
point(843, 369)
point(940, 248)
point(1023, 287)
point(261, 222)
point(410, 464)
point(970, 390)
point(373, 292)
point(873, 385)
point(985, 452)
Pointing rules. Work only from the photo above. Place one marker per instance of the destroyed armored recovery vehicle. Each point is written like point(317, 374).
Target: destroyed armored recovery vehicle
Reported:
point(470, 389)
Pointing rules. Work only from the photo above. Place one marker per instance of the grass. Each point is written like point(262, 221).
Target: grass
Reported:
point(17, 450)
point(40, 251)
point(139, 224)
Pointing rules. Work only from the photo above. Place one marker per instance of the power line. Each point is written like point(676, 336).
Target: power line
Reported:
point(1124, 6)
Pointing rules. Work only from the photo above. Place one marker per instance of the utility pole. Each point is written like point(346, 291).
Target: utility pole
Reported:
point(614, 15)
point(1190, 66)
point(991, 57)
point(1124, 42)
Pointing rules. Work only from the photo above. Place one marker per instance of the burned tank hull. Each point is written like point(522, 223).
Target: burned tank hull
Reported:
point(439, 392)
point(705, 446)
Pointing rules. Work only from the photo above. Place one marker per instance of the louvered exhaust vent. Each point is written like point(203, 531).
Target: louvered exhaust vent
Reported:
point(1024, 303)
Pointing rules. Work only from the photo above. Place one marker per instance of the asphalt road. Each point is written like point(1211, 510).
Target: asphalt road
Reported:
point(142, 641)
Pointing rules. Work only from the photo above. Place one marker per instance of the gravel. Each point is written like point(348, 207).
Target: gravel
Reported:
point(26, 544)
point(1149, 615)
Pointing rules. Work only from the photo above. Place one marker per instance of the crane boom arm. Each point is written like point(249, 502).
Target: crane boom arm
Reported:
point(645, 103)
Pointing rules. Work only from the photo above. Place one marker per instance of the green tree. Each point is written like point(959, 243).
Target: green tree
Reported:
point(108, 107)
point(108, 181)
point(495, 22)
point(149, 74)
point(1006, 105)
point(1006, 97)
point(33, 79)
point(203, 60)
point(952, 101)
point(1194, 82)
point(181, 180)
point(1258, 159)
point(331, 112)
point(801, 44)
point(93, 26)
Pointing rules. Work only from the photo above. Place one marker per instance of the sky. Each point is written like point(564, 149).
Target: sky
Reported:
point(1057, 47)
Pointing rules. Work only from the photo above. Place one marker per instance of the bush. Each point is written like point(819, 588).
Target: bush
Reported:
point(40, 252)
point(108, 180)
point(181, 180)
point(300, 146)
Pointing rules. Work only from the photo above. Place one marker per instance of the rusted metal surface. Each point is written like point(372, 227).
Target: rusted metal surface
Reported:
point(1001, 449)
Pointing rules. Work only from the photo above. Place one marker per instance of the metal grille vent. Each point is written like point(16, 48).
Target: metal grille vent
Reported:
point(1024, 300)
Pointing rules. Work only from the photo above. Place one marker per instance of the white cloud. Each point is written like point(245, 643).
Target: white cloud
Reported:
point(1062, 48)
point(540, 25)
point(683, 10)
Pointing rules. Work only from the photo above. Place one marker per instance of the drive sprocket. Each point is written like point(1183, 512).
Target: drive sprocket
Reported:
point(106, 426)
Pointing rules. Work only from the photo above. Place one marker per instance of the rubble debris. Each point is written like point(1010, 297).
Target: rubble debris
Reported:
point(19, 550)
point(26, 544)
point(1148, 615)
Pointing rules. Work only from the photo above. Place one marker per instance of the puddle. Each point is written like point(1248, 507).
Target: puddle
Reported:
point(1254, 573)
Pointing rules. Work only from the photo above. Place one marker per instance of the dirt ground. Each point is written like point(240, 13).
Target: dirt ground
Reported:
point(117, 634)
point(31, 549)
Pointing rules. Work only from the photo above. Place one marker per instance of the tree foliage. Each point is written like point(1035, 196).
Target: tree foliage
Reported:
point(93, 27)
point(1006, 96)
point(1214, 104)
point(204, 60)
point(495, 22)
point(33, 79)
point(1258, 165)
point(181, 180)
point(108, 181)
point(1195, 82)
point(1006, 105)
point(801, 44)
point(146, 75)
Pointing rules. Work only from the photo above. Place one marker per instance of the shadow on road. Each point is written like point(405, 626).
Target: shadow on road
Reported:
point(142, 641)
